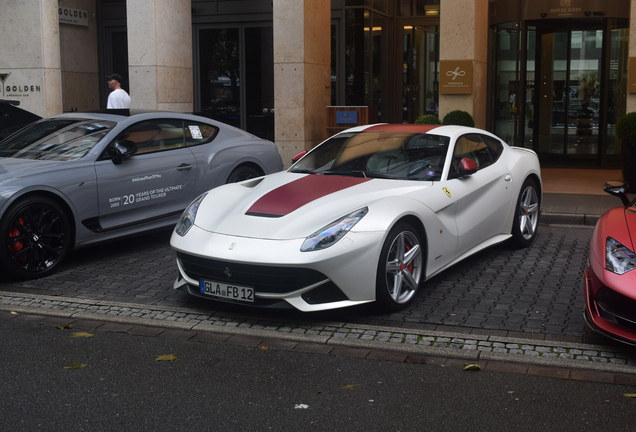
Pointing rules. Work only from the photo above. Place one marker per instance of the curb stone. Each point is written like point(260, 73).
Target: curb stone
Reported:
point(420, 342)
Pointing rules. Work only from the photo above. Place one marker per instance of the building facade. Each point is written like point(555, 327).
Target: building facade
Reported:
point(551, 75)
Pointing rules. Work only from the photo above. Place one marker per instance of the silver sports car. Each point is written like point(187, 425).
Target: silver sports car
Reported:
point(77, 179)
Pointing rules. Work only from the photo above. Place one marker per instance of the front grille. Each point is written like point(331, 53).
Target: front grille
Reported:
point(616, 308)
point(264, 279)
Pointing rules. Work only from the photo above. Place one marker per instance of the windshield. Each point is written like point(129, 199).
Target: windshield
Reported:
point(384, 154)
point(55, 139)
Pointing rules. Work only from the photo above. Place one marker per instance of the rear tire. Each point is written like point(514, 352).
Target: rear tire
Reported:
point(400, 268)
point(526, 221)
point(35, 237)
point(242, 173)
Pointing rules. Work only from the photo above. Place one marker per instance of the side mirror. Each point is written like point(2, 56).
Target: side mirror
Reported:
point(618, 189)
point(467, 166)
point(123, 149)
point(299, 156)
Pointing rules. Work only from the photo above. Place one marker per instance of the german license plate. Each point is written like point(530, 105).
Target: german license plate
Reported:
point(225, 291)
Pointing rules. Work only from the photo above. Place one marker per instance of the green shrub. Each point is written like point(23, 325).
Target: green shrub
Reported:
point(458, 118)
point(626, 128)
point(429, 119)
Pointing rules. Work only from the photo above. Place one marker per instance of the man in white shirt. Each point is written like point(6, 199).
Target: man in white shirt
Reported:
point(118, 98)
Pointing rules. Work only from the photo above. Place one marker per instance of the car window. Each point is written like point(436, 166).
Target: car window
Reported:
point(480, 148)
point(385, 154)
point(155, 135)
point(199, 133)
point(494, 147)
point(56, 139)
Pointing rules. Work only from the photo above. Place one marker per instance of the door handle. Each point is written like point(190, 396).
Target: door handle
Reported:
point(184, 167)
point(507, 177)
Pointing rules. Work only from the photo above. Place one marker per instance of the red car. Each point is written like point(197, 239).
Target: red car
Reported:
point(610, 280)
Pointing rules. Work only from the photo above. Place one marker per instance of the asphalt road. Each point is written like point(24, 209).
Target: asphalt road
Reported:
point(224, 387)
point(536, 290)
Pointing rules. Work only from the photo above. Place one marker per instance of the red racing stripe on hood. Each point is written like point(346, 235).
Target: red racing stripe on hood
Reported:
point(287, 198)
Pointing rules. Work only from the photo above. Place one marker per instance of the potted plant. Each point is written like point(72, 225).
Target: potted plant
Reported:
point(429, 119)
point(458, 118)
point(626, 132)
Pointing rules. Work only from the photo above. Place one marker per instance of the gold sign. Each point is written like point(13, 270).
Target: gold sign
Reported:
point(631, 84)
point(456, 77)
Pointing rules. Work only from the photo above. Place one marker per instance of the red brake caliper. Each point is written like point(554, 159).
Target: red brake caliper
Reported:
point(16, 246)
point(410, 267)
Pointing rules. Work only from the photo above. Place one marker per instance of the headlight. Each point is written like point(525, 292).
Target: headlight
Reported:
point(333, 232)
point(618, 258)
point(188, 216)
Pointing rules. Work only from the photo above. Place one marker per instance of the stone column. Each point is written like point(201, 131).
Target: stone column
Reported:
point(30, 67)
point(302, 74)
point(464, 36)
point(160, 54)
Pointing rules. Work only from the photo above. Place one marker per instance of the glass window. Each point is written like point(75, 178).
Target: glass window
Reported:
point(385, 154)
point(357, 57)
point(482, 149)
point(219, 55)
point(506, 104)
point(199, 133)
point(617, 95)
point(155, 135)
point(56, 139)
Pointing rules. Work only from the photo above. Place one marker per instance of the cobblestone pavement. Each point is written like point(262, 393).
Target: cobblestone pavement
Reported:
point(537, 290)
point(501, 304)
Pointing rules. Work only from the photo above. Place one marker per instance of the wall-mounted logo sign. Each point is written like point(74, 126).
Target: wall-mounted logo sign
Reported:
point(73, 16)
point(12, 90)
point(456, 77)
point(347, 117)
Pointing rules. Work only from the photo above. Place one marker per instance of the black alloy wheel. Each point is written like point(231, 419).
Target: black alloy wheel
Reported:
point(36, 237)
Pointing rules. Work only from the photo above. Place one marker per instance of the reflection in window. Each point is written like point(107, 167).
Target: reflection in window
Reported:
point(56, 139)
point(220, 74)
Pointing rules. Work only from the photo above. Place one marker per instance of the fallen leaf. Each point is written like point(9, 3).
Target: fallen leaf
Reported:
point(73, 365)
point(59, 294)
point(166, 357)
point(349, 387)
point(630, 395)
point(81, 335)
point(471, 366)
point(264, 347)
point(65, 327)
point(13, 313)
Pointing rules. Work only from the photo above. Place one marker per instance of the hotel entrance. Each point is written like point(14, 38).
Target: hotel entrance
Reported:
point(560, 84)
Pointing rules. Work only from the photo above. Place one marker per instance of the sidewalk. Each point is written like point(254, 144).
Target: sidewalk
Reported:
point(576, 196)
point(553, 357)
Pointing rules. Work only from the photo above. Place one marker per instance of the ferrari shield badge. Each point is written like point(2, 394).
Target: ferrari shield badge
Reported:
point(447, 192)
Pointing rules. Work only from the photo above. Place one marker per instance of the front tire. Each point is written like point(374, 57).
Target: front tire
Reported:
point(400, 268)
point(526, 221)
point(35, 237)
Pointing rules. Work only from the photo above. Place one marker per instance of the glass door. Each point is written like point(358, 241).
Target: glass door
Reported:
point(570, 93)
point(235, 76)
point(420, 71)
